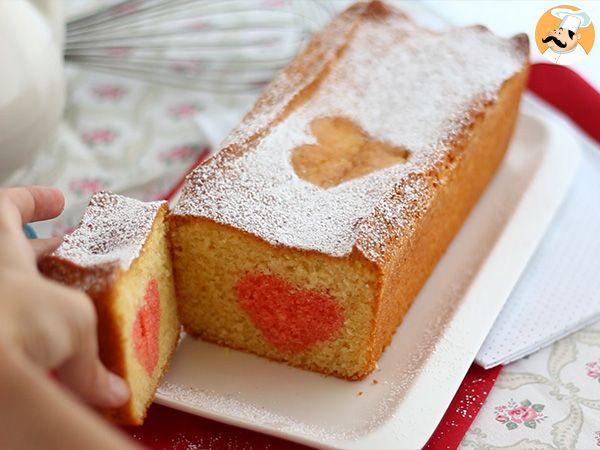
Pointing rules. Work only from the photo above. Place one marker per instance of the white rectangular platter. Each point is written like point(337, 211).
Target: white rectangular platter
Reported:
point(432, 350)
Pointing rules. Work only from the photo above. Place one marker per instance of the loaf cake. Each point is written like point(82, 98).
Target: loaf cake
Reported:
point(308, 236)
point(119, 255)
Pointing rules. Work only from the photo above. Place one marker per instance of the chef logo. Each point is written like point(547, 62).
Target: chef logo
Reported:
point(565, 34)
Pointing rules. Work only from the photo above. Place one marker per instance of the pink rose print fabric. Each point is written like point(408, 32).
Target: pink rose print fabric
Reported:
point(86, 186)
point(593, 370)
point(512, 415)
point(108, 92)
point(183, 110)
point(180, 153)
point(99, 136)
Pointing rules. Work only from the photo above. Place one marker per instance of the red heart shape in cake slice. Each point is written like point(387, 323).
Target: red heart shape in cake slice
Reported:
point(291, 318)
point(146, 328)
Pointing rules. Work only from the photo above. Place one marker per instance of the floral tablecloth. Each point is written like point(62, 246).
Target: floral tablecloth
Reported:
point(549, 400)
point(137, 138)
point(126, 136)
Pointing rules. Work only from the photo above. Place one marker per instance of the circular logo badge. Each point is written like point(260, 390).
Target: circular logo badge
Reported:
point(565, 34)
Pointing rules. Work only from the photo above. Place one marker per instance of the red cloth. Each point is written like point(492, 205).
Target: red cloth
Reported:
point(569, 93)
point(174, 430)
point(169, 429)
point(465, 406)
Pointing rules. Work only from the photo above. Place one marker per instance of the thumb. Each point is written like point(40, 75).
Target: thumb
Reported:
point(85, 375)
point(42, 247)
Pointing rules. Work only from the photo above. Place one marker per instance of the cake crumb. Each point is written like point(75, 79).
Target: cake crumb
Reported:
point(375, 381)
point(360, 393)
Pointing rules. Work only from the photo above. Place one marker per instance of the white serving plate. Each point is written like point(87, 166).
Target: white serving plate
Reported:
point(432, 349)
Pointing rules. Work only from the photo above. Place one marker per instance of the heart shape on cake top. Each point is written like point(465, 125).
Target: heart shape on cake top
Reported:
point(292, 319)
point(343, 151)
point(146, 328)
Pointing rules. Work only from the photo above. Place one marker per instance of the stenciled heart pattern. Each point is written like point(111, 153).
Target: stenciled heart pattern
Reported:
point(146, 328)
point(290, 318)
point(343, 151)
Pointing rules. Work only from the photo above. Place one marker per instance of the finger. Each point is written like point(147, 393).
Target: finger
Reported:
point(36, 202)
point(48, 312)
point(15, 251)
point(42, 247)
point(83, 372)
point(17, 206)
point(89, 379)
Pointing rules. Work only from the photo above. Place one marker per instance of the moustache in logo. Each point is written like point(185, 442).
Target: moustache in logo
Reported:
point(556, 41)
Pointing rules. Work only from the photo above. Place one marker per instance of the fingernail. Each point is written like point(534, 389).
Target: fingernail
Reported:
point(118, 388)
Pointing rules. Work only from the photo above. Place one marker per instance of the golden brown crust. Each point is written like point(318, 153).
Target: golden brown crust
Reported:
point(479, 155)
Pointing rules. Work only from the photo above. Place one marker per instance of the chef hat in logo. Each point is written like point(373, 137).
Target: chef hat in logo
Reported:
point(571, 20)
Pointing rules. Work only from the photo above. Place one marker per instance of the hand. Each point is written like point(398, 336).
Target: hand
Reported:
point(51, 324)
point(44, 325)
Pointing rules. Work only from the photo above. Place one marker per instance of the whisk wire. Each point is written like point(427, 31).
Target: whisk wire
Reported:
point(232, 45)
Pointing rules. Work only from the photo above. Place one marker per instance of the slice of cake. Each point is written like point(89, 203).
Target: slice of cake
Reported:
point(308, 236)
point(119, 255)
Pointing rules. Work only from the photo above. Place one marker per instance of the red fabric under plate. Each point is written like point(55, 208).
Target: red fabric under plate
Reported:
point(174, 430)
point(169, 429)
point(568, 92)
point(465, 405)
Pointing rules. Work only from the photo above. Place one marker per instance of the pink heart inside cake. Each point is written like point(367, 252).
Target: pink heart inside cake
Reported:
point(290, 318)
point(146, 328)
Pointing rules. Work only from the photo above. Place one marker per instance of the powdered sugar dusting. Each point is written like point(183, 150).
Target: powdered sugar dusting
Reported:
point(246, 412)
point(380, 402)
point(113, 230)
point(399, 83)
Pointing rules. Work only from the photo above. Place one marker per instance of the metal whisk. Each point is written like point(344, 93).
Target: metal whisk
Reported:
point(218, 46)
